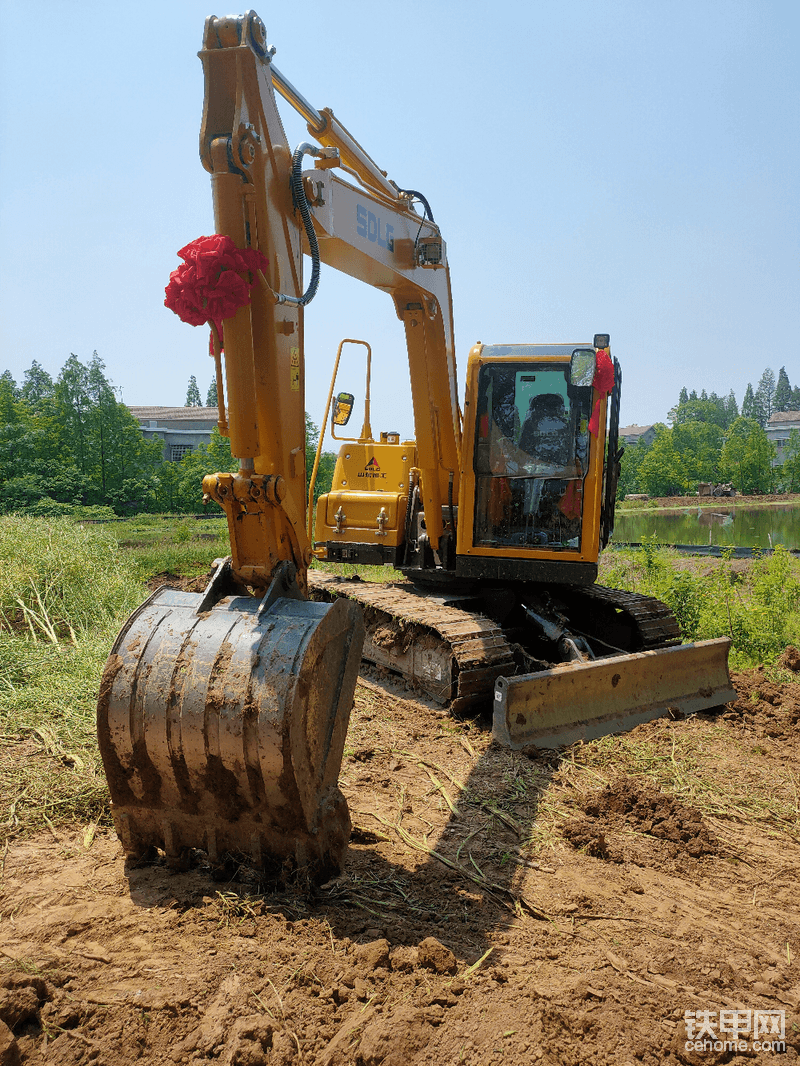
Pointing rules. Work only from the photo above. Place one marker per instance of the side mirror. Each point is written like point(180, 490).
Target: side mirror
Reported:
point(582, 366)
point(342, 408)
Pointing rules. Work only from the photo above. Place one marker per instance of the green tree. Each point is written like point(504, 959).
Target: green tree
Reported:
point(327, 462)
point(783, 391)
point(747, 457)
point(699, 448)
point(748, 408)
point(7, 378)
point(795, 404)
point(765, 397)
point(38, 386)
point(72, 404)
point(193, 394)
point(662, 472)
point(632, 459)
point(211, 395)
point(790, 471)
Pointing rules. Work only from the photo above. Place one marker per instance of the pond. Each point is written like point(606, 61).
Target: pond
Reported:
point(744, 527)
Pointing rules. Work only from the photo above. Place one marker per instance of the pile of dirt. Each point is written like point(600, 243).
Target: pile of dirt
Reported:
point(174, 581)
point(639, 805)
point(770, 708)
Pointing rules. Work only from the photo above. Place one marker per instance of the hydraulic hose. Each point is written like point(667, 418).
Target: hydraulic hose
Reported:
point(301, 204)
point(422, 200)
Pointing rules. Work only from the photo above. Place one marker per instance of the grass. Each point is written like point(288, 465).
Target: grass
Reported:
point(66, 589)
point(702, 762)
point(758, 608)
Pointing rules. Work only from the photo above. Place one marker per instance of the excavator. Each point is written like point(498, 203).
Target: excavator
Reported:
point(222, 715)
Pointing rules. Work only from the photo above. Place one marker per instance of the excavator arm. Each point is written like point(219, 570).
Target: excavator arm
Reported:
point(366, 228)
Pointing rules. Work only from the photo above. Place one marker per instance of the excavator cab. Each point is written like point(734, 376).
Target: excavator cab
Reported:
point(532, 481)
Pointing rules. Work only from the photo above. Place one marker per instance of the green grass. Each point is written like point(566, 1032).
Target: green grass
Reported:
point(759, 609)
point(65, 590)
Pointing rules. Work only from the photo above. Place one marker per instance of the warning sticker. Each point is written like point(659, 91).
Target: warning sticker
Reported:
point(295, 369)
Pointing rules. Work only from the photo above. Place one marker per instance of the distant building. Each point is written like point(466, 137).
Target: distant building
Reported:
point(634, 434)
point(181, 428)
point(779, 429)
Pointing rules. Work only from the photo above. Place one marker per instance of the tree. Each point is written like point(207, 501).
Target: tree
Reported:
point(193, 394)
point(38, 386)
point(661, 472)
point(684, 396)
point(72, 402)
point(747, 457)
point(731, 409)
point(790, 471)
point(632, 459)
point(795, 404)
point(327, 462)
point(783, 392)
point(7, 379)
point(765, 396)
point(211, 395)
point(748, 402)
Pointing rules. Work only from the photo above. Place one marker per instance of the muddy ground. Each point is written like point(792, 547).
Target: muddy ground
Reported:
point(495, 908)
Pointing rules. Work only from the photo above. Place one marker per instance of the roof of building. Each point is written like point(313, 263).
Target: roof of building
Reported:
point(784, 416)
point(633, 431)
point(175, 414)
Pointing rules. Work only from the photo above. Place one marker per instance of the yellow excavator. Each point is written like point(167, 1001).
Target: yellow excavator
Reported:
point(222, 716)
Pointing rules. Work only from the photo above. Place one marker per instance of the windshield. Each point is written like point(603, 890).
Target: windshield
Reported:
point(531, 456)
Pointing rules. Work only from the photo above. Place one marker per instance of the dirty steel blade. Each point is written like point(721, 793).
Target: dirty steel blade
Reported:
point(583, 701)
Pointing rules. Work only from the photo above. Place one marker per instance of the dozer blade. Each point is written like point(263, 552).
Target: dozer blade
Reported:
point(584, 701)
point(223, 729)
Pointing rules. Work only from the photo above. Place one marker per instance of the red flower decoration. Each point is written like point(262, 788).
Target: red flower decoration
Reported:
point(603, 382)
point(209, 287)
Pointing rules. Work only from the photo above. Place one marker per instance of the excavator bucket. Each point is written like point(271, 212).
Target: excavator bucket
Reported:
point(222, 728)
point(583, 701)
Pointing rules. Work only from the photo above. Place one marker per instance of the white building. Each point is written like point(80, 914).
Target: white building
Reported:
point(779, 429)
point(181, 428)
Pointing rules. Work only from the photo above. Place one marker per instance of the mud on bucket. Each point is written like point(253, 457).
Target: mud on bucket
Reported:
point(224, 730)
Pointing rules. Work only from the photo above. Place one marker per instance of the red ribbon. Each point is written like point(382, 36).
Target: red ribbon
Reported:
point(603, 382)
point(209, 287)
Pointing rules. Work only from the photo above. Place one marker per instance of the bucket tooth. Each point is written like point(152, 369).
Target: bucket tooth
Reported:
point(224, 729)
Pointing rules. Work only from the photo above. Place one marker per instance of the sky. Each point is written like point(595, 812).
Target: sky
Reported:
point(628, 167)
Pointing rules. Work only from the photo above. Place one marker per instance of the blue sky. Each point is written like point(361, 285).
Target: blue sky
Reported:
point(617, 166)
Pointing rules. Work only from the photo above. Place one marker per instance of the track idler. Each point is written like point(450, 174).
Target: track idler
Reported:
point(222, 726)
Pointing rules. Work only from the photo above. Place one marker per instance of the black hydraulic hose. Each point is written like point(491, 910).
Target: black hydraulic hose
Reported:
point(413, 495)
point(301, 204)
point(422, 200)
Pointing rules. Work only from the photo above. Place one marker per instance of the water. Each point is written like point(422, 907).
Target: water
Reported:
point(743, 527)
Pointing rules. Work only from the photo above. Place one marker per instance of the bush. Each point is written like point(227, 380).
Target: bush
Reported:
point(761, 614)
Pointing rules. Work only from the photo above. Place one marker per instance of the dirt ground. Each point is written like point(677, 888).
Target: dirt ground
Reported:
point(717, 502)
point(495, 908)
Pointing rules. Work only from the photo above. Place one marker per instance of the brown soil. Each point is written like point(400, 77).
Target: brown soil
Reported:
point(722, 502)
point(493, 909)
point(175, 581)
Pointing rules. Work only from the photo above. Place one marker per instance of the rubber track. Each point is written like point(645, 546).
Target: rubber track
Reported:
point(479, 648)
point(657, 625)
